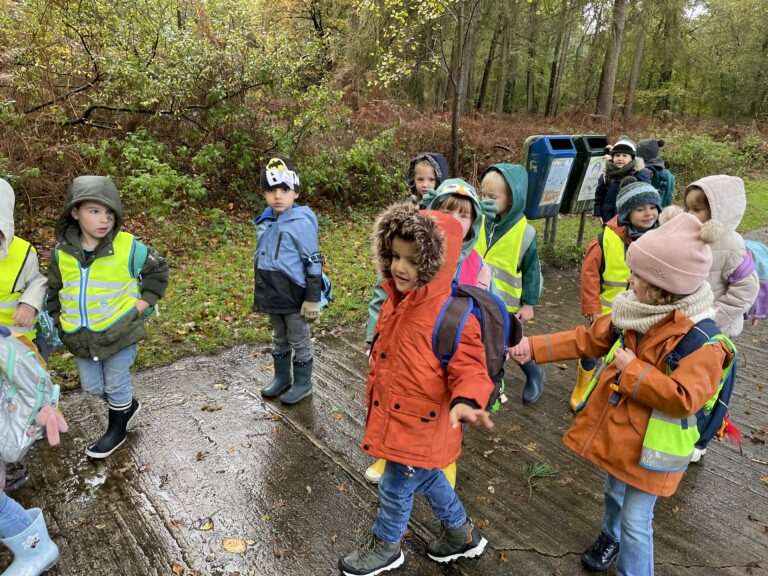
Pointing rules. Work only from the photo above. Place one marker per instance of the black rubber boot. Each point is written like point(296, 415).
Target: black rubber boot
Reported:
point(16, 475)
point(302, 383)
point(115, 435)
point(600, 556)
point(534, 382)
point(282, 380)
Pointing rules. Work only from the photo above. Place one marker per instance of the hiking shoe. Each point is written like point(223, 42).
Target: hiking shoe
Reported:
point(374, 472)
point(375, 557)
point(600, 556)
point(454, 543)
point(16, 475)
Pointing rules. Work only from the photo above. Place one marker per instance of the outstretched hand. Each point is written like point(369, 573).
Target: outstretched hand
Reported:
point(521, 352)
point(464, 413)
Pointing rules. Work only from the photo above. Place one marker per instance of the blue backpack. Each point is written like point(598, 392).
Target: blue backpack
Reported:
point(756, 259)
point(498, 331)
point(326, 292)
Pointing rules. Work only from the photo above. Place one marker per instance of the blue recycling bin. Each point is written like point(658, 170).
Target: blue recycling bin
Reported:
point(549, 161)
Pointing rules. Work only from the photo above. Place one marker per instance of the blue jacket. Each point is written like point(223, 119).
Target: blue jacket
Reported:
point(287, 266)
point(608, 189)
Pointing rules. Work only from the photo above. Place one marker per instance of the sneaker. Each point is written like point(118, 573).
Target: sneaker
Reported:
point(600, 556)
point(698, 454)
point(454, 543)
point(375, 470)
point(375, 557)
point(15, 476)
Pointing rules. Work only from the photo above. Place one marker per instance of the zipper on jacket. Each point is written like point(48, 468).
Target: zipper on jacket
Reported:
point(277, 248)
point(83, 288)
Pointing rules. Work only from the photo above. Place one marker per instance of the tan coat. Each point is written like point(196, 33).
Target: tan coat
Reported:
point(611, 435)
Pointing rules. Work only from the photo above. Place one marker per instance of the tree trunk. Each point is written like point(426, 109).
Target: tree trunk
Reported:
point(472, 13)
point(668, 58)
point(488, 67)
point(501, 78)
point(533, 24)
point(558, 64)
point(637, 62)
point(611, 62)
point(453, 70)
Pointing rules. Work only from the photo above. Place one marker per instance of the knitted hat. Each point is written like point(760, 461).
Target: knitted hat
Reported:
point(625, 145)
point(633, 195)
point(675, 256)
point(279, 171)
point(649, 149)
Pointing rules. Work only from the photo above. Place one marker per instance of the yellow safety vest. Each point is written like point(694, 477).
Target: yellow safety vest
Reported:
point(504, 259)
point(10, 268)
point(98, 296)
point(615, 277)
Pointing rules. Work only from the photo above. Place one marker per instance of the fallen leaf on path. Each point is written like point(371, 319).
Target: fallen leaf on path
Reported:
point(234, 545)
point(531, 446)
point(562, 366)
point(503, 557)
point(338, 416)
point(204, 524)
point(177, 569)
point(210, 408)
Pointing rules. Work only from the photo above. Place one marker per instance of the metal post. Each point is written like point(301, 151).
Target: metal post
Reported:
point(546, 230)
point(553, 229)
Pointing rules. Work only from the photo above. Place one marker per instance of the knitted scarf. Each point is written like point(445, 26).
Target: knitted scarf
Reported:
point(630, 314)
point(615, 173)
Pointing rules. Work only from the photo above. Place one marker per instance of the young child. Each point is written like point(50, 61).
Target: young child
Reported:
point(509, 246)
point(636, 407)
point(415, 406)
point(102, 283)
point(661, 178)
point(623, 163)
point(604, 271)
point(426, 172)
point(288, 278)
point(723, 199)
point(458, 199)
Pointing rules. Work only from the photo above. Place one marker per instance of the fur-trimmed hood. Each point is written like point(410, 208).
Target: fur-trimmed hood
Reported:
point(638, 164)
point(437, 238)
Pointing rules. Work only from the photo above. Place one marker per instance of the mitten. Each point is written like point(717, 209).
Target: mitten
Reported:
point(53, 422)
point(310, 311)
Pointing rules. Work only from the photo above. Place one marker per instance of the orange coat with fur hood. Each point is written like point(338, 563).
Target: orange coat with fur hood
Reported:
point(409, 395)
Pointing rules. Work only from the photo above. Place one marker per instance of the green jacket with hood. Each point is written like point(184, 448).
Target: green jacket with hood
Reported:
point(516, 178)
point(153, 273)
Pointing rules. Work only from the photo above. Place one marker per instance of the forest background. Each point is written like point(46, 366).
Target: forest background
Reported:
point(179, 101)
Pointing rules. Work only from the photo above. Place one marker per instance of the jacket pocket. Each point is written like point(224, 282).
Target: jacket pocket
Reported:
point(412, 424)
point(125, 326)
point(638, 416)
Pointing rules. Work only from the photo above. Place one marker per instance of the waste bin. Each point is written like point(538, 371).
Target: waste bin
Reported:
point(579, 193)
point(548, 160)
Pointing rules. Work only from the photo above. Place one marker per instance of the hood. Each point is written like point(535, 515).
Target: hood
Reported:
point(639, 164)
point(458, 187)
point(648, 150)
point(438, 244)
point(726, 197)
point(88, 188)
point(7, 203)
point(516, 178)
point(438, 162)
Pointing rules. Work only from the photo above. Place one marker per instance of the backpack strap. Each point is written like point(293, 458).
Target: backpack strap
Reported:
point(700, 333)
point(449, 326)
point(138, 258)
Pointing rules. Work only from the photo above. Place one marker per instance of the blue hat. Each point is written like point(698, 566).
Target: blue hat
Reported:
point(633, 195)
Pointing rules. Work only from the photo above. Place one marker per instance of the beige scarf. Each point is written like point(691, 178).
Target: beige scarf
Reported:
point(630, 314)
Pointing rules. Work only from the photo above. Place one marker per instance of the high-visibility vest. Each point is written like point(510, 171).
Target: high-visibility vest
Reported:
point(97, 297)
point(10, 268)
point(504, 259)
point(615, 276)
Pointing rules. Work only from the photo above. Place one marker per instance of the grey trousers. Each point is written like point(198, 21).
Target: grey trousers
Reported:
point(291, 332)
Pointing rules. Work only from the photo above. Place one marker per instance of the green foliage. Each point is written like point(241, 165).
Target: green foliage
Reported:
point(692, 156)
point(756, 215)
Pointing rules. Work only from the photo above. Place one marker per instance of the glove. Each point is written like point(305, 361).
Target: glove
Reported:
point(310, 311)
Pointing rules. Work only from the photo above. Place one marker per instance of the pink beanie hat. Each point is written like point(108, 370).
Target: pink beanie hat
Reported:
point(676, 256)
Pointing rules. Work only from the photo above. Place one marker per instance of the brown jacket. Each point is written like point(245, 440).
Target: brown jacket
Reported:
point(409, 394)
point(611, 435)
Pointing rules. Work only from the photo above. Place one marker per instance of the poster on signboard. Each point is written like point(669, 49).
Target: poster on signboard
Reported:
point(557, 177)
point(591, 176)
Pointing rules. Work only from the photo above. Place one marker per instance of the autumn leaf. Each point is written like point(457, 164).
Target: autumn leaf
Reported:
point(177, 569)
point(204, 524)
point(234, 545)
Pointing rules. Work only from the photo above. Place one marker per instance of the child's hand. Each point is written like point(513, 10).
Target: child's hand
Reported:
point(525, 313)
point(521, 352)
point(623, 357)
point(591, 317)
point(141, 306)
point(310, 311)
point(24, 315)
point(464, 413)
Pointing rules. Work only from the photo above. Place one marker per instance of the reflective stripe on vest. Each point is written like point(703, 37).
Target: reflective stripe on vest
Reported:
point(669, 442)
point(613, 280)
point(10, 269)
point(98, 296)
point(504, 259)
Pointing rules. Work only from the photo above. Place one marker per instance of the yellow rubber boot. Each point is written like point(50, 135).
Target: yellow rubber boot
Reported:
point(450, 473)
point(582, 383)
point(375, 470)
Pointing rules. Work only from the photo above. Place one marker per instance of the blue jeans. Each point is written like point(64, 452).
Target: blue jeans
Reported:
point(13, 518)
point(291, 332)
point(397, 486)
point(110, 378)
point(628, 518)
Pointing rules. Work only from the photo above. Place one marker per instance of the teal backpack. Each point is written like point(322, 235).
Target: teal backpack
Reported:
point(664, 181)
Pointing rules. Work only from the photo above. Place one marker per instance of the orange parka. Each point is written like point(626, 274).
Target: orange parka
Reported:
point(409, 395)
point(609, 431)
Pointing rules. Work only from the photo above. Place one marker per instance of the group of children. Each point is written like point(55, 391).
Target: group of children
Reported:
point(644, 285)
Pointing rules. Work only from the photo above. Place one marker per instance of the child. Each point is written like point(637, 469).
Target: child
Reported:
point(508, 245)
point(619, 427)
point(459, 199)
point(415, 406)
point(102, 283)
point(623, 163)
point(604, 271)
point(661, 178)
point(426, 171)
point(723, 199)
point(288, 278)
